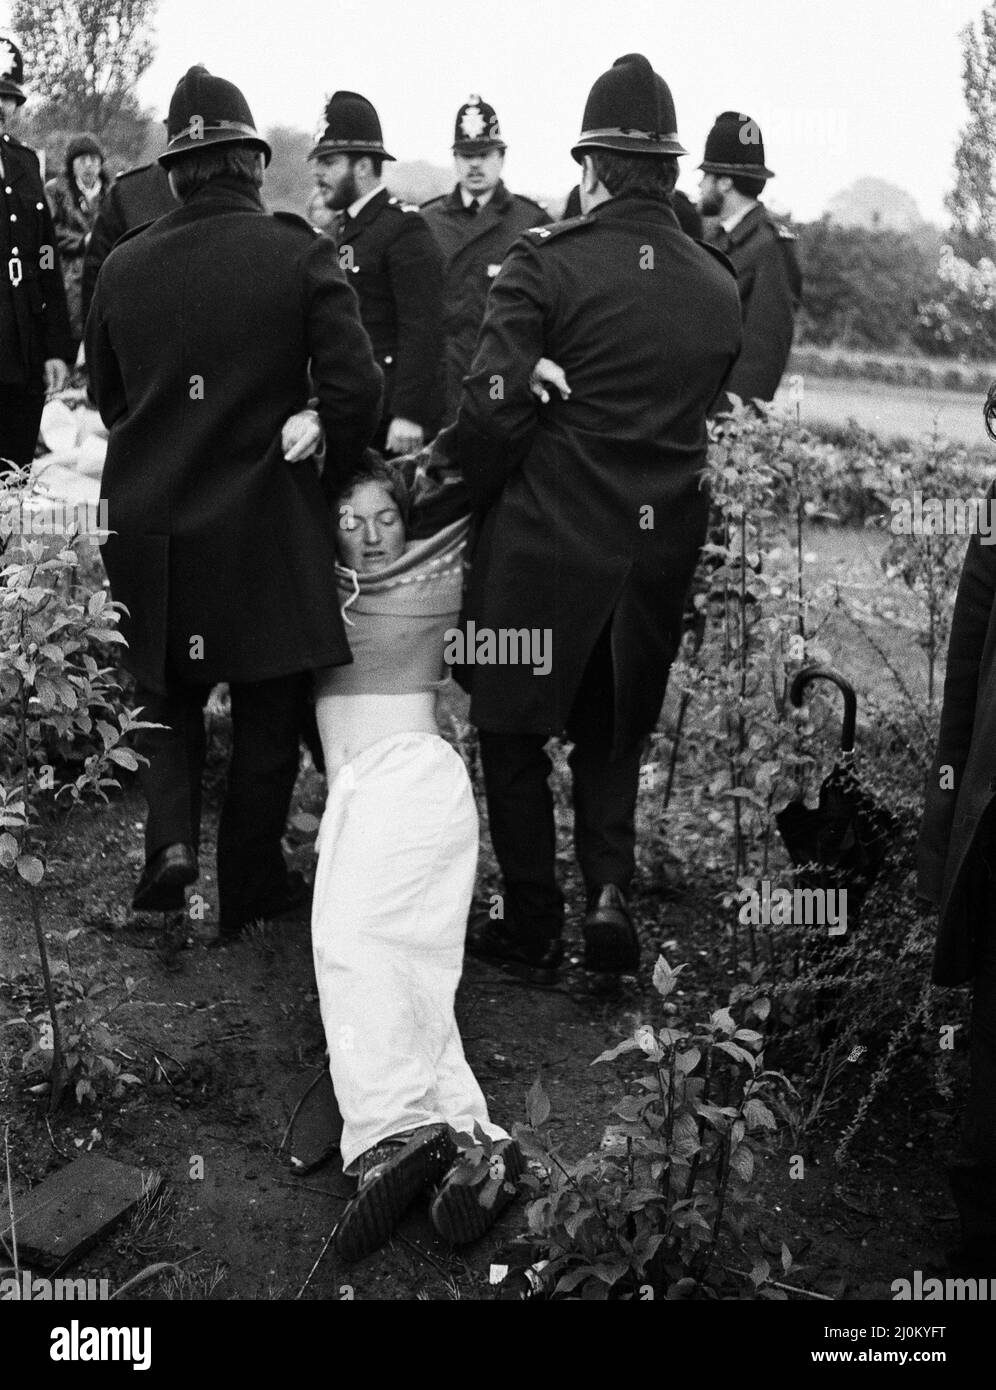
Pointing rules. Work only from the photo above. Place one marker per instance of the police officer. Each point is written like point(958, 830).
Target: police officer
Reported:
point(761, 248)
point(393, 264)
point(591, 512)
point(36, 344)
point(474, 225)
point(208, 328)
point(135, 197)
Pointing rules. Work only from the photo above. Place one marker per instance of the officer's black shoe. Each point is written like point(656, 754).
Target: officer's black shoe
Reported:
point(160, 889)
point(535, 963)
point(611, 945)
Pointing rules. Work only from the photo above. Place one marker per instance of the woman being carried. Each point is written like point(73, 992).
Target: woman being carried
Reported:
point(397, 859)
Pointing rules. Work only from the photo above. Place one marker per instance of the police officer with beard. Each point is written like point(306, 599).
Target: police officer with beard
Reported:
point(761, 249)
point(474, 225)
point(393, 264)
point(36, 344)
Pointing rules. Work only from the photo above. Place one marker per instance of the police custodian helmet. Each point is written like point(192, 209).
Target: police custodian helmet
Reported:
point(734, 146)
point(352, 126)
point(629, 110)
point(11, 71)
point(207, 110)
point(477, 128)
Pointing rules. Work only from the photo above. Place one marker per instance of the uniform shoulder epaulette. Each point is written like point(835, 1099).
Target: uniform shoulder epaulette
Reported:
point(531, 202)
point(779, 228)
point(296, 220)
point(720, 256)
point(404, 207)
point(555, 229)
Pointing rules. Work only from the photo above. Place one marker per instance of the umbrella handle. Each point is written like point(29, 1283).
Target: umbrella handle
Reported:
point(827, 673)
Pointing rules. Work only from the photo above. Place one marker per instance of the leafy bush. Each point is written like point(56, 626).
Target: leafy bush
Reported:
point(649, 1209)
point(53, 692)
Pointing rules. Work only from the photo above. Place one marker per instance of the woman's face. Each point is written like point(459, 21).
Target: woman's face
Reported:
point(86, 168)
point(371, 531)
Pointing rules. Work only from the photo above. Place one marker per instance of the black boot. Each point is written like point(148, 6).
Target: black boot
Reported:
point(160, 889)
point(532, 959)
point(611, 945)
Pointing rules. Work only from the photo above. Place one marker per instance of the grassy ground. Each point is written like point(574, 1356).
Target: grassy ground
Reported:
point(903, 412)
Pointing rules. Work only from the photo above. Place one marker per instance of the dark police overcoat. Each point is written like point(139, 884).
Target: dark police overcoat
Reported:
point(593, 507)
point(135, 197)
point(395, 268)
point(34, 323)
point(199, 340)
point(957, 845)
point(473, 247)
point(762, 252)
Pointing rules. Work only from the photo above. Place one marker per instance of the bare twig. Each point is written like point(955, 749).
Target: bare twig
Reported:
point(321, 1256)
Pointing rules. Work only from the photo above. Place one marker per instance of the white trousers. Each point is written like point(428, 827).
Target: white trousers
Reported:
point(397, 855)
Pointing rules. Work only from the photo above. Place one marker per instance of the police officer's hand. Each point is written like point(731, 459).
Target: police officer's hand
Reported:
point(548, 373)
point(302, 435)
point(404, 437)
point(56, 375)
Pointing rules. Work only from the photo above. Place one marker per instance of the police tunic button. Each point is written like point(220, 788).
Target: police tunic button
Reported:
point(388, 361)
point(39, 206)
point(9, 190)
point(355, 269)
point(13, 217)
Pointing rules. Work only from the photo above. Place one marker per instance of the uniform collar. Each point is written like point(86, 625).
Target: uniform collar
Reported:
point(468, 198)
point(498, 202)
point(229, 191)
point(647, 209)
point(369, 208)
point(743, 226)
point(354, 209)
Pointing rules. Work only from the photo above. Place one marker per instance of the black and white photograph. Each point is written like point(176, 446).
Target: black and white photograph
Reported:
point(497, 634)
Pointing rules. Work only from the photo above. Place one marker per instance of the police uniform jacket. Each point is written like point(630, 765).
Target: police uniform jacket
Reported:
point(34, 324)
point(592, 509)
point(763, 255)
point(473, 246)
point(135, 197)
point(393, 264)
point(199, 340)
point(956, 858)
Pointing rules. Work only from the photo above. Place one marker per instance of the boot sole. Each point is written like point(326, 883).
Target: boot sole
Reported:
point(456, 1212)
point(373, 1214)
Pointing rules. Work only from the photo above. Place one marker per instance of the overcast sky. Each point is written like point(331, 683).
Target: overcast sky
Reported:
point(840, 90)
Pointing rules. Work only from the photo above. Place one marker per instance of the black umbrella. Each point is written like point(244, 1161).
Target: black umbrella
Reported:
point(842, 842)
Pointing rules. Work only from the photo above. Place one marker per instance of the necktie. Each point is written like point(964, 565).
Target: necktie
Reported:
point(473, 207)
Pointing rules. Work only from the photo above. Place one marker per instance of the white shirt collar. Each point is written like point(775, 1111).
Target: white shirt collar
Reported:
point(482, 198)
point(354, 208)
point(728, 223)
